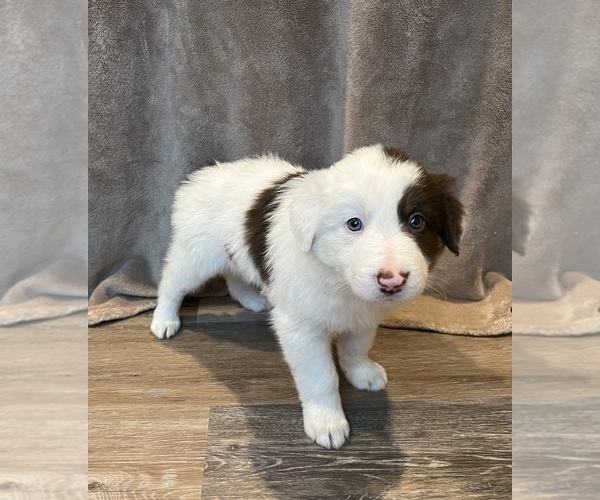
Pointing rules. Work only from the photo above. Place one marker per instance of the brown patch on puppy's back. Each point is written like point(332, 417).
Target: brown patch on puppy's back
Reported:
point(257, 223)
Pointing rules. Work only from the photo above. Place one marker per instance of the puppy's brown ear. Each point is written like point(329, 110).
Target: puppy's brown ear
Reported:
point(452, 229)
point(450, 209)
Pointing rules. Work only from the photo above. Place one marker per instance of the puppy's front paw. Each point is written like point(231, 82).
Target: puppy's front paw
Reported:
point(165, 328)
point(325, 426)
point(366, 375)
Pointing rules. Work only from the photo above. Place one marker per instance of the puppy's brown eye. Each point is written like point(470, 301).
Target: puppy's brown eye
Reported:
point(354, 224)
point(416, 222)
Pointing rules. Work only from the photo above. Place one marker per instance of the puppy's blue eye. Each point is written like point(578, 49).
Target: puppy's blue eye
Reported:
point(416, 222)
point(354, 224)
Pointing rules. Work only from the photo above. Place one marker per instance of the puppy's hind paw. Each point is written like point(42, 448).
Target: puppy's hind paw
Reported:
point(255, 303)
point(366, 376)
point(326, 427)
point(165, 329)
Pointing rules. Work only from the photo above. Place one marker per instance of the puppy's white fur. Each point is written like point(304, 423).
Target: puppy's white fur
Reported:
point(322, 284)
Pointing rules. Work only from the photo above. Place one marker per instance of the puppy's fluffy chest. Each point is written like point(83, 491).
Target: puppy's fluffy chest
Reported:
point(330, 311)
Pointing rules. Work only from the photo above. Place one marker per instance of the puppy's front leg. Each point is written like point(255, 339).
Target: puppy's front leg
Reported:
point(308, 353)
point(353, 354)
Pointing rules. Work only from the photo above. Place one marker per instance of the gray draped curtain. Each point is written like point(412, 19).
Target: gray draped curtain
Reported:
point(557, 144)
point(176, 85)
point(43, 159)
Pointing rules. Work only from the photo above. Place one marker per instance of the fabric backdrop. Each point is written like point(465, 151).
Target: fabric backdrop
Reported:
point(43, 159)
point(556, 151)
point(176, 85)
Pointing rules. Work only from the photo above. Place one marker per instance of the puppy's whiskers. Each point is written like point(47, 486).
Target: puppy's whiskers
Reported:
point(436, 285)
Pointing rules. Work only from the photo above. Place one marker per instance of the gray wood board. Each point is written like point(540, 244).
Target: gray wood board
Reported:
point(409, 450)
point(557, 450)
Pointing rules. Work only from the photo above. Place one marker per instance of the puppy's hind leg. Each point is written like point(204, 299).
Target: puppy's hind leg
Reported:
point(185, 271)
point(247, 295)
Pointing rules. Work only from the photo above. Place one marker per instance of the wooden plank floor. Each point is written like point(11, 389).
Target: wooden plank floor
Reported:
point(219, 396)
point(408, 450)
point(556, 417)
point(43, 410)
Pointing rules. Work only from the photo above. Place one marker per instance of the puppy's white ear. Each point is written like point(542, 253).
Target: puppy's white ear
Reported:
point(304, 220)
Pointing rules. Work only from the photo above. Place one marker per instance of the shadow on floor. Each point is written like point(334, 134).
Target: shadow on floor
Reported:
point(258, 449)
point(270, 437)
point(261, 452)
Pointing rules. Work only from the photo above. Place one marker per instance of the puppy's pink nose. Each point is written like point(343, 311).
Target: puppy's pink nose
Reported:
point(391, 281)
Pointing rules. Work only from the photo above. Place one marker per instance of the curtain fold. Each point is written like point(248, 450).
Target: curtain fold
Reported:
point(557, 111)
point(43, 159)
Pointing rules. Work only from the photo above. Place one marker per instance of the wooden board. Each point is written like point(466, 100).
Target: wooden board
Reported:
point(556, 417)
point(407, 450)
point(43, 410)
point(150, 400)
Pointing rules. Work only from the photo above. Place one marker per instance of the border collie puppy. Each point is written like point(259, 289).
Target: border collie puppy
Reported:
point(328, 251)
